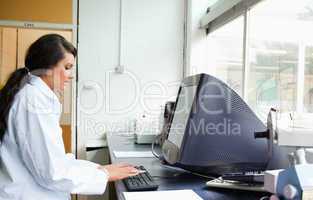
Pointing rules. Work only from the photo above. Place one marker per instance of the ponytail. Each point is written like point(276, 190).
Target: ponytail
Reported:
point(16, 81)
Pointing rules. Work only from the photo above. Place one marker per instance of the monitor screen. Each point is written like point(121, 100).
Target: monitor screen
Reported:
point(181, 114)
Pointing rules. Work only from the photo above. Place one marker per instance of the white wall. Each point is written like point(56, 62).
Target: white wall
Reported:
point(197, 52)
point(151, 51)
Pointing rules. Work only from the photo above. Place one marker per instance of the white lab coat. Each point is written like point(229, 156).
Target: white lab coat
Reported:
point(33, 163)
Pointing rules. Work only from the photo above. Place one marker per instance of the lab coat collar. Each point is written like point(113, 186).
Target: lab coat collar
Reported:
point(38, 82)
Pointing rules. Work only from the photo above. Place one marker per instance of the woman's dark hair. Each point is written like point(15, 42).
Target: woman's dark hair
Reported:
point(43, 54)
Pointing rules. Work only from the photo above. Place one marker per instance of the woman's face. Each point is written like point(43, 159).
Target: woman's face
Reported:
point(61, 74)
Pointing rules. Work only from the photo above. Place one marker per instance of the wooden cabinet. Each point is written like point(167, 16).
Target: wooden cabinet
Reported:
point(14, 43)
point(8, 56)
point(27, 36)
point(56, 11)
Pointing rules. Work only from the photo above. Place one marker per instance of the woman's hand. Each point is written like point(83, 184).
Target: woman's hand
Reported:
point(120, 171)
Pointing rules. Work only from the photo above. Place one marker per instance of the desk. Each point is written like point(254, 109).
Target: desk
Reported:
point(169, 178)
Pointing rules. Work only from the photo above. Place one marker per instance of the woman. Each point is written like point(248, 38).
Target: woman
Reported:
point(33, 163)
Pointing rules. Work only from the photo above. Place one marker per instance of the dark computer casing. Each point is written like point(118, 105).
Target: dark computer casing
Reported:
point(223, 149)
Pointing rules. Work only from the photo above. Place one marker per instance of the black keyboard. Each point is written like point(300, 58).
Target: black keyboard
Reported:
point(140, 182)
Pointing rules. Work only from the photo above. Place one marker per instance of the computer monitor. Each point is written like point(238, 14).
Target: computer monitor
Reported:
point(212, 130)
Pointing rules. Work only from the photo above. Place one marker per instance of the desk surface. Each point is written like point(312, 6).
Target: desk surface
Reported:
point(169, 178)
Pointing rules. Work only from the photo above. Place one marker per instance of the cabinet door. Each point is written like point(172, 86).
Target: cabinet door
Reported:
point(25, 38)
point(8, 39)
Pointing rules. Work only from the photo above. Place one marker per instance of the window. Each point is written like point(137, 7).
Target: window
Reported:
point(308, 80)
point(225, 54)
point(279, 64)
point(278, 41)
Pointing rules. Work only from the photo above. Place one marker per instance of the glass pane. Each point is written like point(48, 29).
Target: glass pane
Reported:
point(308, 80)
point(225, 54)
point(277, 36)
